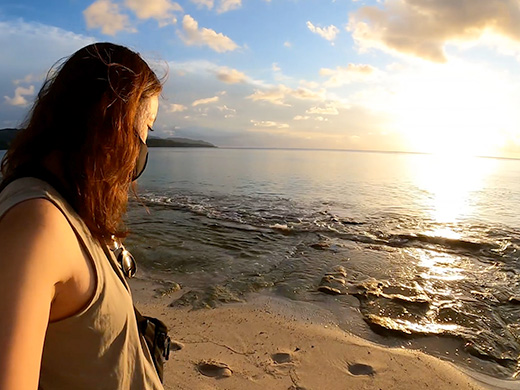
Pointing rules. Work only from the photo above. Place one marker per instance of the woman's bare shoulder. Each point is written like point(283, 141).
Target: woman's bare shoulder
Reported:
point(35, 230)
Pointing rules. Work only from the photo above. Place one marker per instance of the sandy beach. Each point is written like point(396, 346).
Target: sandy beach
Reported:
point(268, 343)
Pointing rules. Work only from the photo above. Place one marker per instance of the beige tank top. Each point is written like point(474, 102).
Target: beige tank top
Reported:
point(99, 347)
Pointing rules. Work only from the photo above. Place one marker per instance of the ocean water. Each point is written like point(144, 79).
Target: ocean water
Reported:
point(407, 250)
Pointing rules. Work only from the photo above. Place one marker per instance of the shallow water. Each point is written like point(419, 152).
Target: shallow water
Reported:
point(410, 250)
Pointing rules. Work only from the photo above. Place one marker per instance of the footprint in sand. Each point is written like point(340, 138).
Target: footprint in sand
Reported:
point(176, 345)
point(281, 357)
point(360, 369)
point(214, 369)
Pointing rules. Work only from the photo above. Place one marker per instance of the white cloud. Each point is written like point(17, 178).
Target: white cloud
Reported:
point(347, 74)
point(329, 33)
point(18, 99)
point(30, 49)
point(28, 79)
point(203, 3)
point(106, 15)
point(301, 118)
point(287, 44)
point(278, 95)
point(275, 67)
point(309, 84)
point(177, 107)
point(328, 110)
point(205, 101)
point(193, 36)
point(423, 28)
point(161, 10)
point(228, 5)
point(228, 112)
point(269, 124)
point(225, 108)
point(230, 76)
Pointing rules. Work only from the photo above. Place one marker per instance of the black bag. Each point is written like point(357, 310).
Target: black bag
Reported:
point(155, 333)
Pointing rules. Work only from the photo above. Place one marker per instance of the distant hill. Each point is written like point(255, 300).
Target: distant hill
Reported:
point(176, 142)
point(7, 135)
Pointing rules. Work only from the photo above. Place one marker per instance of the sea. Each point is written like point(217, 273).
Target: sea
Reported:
point(407, 250)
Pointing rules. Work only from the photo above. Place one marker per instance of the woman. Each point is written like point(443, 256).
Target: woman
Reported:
point(67, 318)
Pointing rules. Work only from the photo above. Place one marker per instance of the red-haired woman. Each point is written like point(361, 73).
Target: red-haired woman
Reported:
point(67, 319)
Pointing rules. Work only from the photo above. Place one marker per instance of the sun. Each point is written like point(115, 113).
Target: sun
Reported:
point(452, 109)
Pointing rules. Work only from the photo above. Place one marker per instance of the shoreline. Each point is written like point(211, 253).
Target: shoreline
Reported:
point(270, 343)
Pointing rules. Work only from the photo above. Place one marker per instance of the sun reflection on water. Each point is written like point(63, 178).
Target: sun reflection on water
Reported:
point(439, 266)
point(451, 184)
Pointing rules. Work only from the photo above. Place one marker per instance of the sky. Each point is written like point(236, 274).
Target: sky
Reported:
point(435, 76)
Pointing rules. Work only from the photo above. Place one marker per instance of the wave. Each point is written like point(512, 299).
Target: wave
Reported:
point(283, 216)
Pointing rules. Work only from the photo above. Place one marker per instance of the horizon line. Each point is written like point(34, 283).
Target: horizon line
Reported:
point(362, 151)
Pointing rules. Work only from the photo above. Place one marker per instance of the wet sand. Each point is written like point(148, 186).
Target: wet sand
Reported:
point(272, 344)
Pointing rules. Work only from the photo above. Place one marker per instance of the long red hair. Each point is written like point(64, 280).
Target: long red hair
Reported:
point(88, 113)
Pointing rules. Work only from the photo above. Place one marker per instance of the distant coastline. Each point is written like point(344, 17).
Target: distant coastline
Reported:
point(8, 134)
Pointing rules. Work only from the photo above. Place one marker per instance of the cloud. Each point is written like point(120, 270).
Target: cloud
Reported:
point(230, 76)
point(321, 119)
point(228, 112)
point(328, 110)
point(228, 5)
point(301, 118)
point(30, 78)
point(105, 15)
point(193, 36)
point(269, 124)
point(177, 107)
point(205, 101)
point(287, 44)
point(203, 3)
point(347, 74)
point(18, 99)
point(329, 33)
point(423, 28)
point(161, 10)
point(278, 95)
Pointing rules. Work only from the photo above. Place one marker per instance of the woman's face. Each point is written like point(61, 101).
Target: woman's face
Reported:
point(151, 106)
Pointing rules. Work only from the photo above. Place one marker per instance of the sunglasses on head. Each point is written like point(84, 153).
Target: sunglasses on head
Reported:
point(124, 258)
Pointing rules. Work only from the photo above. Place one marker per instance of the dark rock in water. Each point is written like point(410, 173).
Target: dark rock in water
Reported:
point(329, 290)
point(333, 283)
point(332, 279)
point(324, 246)
point(320, 246)
point(351, 222)
point(339, 270)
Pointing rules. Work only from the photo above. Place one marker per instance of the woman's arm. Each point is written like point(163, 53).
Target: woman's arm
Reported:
point(34, 239)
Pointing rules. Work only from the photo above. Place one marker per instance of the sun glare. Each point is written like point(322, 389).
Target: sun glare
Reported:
point(453, 110)
point(452, 184)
